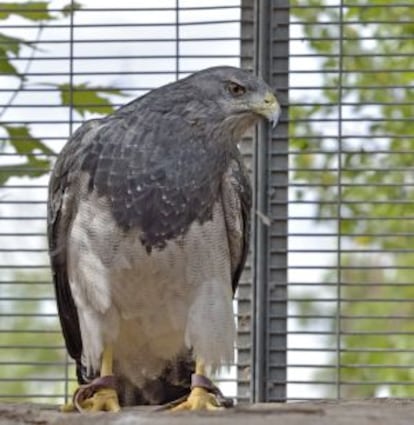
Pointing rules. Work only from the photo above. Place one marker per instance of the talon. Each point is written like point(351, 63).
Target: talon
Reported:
point(104, 400)
point(199, 399)
point(66, 408)
point(204, 394)
point(98, 396)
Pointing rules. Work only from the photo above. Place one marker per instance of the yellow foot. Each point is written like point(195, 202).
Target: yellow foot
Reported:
point(97, 396)
point(104, 400)
point(199, 399)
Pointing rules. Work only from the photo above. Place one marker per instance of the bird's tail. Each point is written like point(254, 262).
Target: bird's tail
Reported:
point(173, 383)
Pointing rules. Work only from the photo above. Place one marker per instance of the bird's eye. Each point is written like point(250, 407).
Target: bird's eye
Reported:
point(236, 89)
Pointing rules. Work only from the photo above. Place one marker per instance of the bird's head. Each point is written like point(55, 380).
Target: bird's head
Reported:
point(238, 97)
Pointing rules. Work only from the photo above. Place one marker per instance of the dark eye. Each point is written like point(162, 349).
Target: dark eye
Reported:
point(236, 89)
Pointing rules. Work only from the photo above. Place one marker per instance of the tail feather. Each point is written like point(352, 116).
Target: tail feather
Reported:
point(173, 383)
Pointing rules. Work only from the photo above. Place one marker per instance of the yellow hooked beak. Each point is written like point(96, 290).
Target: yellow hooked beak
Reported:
point(269, 108)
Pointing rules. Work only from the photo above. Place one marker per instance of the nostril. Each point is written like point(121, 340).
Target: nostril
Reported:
point(269, 99)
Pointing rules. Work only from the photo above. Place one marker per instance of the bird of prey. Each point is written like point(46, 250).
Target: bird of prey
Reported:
point(148, 228)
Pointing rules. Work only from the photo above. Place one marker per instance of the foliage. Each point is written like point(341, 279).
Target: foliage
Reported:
point(376, 191)
point(32, 362)
point(34, 154)
point(86, 98)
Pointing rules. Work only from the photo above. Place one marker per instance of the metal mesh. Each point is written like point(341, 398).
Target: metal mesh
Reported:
point(330, 312)
point(350, 195)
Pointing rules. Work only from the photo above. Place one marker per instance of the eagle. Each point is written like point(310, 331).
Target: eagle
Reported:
point(148, 231)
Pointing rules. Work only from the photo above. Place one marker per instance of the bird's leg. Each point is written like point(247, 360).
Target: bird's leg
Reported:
point(99, 395)
point(203, 395)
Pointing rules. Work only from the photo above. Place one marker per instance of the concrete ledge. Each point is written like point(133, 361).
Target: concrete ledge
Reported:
point(365, 412)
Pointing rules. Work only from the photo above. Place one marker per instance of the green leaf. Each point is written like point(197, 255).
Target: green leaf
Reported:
point(11, 44)
point(85, 98)
point(23, 142)
point(71, 8)
point(6, 68)
point(31, 168)
point(34, 11)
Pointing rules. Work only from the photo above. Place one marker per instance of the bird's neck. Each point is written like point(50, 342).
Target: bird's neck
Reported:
point(233, 128)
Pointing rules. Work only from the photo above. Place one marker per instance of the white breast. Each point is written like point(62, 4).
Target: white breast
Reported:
point(150, 305)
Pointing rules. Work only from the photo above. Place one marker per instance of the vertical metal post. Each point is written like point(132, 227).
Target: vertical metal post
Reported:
point(262, 18)
point(270, 212)
point(245, 296)
point(278, 163)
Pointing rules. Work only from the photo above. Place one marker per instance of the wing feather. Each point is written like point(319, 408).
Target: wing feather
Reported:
point(62, 205)
point(236, 198)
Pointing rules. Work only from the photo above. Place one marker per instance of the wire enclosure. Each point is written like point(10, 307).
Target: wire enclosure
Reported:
point(324, 307)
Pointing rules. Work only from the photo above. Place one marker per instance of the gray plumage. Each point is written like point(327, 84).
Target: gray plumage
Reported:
point(148, 224)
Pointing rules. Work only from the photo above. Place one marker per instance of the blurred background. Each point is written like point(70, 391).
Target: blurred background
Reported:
point(326, 305)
